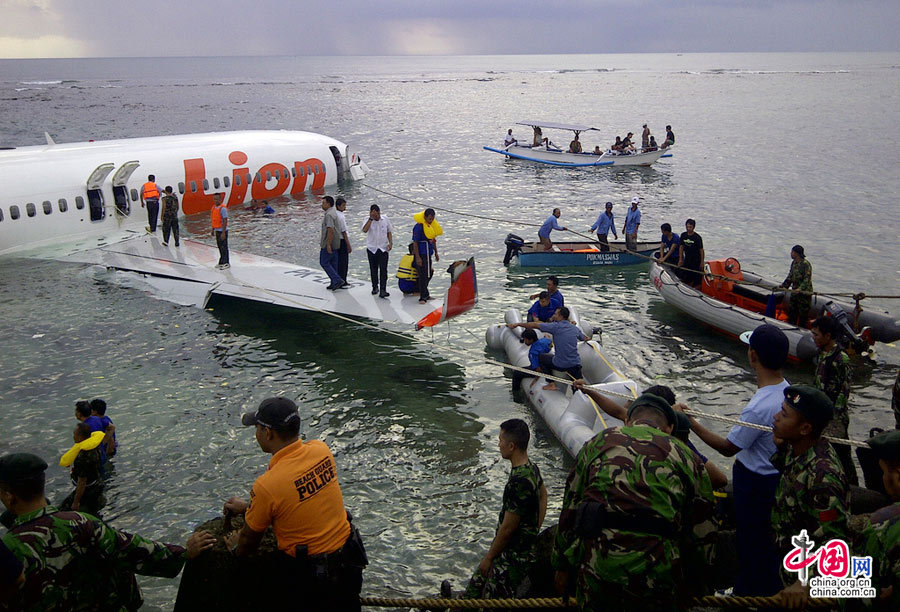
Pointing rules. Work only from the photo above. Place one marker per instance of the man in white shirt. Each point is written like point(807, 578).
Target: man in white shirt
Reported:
point(379, 241)
point(509, 140)
point(345, 248)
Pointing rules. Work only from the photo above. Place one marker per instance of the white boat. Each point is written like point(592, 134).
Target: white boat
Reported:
point(553, 155)
point(572, 416)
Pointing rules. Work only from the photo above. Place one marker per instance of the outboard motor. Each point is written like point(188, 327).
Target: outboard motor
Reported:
point(513, 244)
point(849, 338)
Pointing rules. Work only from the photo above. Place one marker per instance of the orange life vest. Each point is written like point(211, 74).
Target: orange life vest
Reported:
point(150, 191)
point(216, 213)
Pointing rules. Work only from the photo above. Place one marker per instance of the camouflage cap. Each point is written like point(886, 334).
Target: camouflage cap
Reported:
point(812, 403)
point(682, 423)
point(20, 466)
point(654, 401)
point(886, 445)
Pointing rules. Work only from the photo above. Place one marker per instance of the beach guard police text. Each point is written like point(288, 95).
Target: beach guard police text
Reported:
point(315, 479)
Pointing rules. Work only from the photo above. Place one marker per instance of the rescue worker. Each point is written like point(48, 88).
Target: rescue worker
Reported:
point(406, 272)
point(150, 198)
point(300, 498)
point(812, 492)
point(86, 475)
point(219, 217)
point(833, 377)
point(508, 561)
point(62, 551)
point(799, 278)
point(170, 216)
point(637, 517)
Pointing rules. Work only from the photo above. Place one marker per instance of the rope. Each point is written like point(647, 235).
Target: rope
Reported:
point(710, 601)
point(857, 297)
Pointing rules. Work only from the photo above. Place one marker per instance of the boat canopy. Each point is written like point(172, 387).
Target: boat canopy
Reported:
point(557, 126)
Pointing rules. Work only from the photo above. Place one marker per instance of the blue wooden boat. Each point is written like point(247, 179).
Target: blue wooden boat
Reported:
point(565, 254)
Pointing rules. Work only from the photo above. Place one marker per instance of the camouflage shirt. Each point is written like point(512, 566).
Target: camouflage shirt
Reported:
point(833, 378)
point(170, 208)
point(522, 496)
point(880, 539)
point(638, 473)
point(87, 466)
point(812, 494)
point(800, 275)
point(74, 561)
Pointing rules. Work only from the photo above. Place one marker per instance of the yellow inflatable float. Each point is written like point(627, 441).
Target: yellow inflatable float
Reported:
point(432, 230)
point(90, 444)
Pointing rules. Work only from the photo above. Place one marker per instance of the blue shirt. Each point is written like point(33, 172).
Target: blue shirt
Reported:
point(604, 224)
point(424, 245)
point(106, 421)
point(556, 299)
point(549, 225)
point(96, 424)
point(669, 244)
point(565, 340)
point(757, 447)
point(632, 219)
point(542, 345)
point(541, 313)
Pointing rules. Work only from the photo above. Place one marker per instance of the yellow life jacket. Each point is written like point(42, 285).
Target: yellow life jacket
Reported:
point(90, 444)
point(407, 270)
point(432, 230)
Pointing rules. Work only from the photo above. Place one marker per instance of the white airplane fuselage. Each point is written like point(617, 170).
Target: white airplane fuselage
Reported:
point(57, 192)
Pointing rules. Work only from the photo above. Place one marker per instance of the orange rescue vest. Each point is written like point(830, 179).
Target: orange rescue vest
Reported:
point(216, 213)
point(150, 191)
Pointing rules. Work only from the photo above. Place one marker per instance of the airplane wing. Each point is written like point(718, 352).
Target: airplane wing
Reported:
point(187, 275)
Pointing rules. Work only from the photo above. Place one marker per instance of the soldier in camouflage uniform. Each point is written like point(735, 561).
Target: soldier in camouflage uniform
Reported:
point(636, 528)
point(799, 278)
point(74, 561)
point(833, 377)
point(812, 493)
point(502, 572)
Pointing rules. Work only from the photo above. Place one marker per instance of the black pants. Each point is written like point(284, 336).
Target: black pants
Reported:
point(424, 270)
point(758, 559)
point(604, 243)
point(170, 226)
point(343, 261)
point(546, 362)
point(152, 213)
point(378, 264)
point(222, 243)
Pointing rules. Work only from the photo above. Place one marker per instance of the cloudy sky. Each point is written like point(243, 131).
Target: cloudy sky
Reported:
point(100, 28)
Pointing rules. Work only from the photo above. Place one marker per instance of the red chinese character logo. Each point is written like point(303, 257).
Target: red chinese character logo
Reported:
point(834, 559)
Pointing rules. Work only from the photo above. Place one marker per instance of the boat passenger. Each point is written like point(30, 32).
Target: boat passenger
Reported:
point(597, 150)
point(556, 297)
point(627, 144)
point(617, 146)
point(691, 255)
point(799, 278)
point(668, 250)
point(549, 145)
point(538, 137)
point(575, 145)
point(565, 340)
point(653, 146)
point(670, 137)
point(406, 273)
point(645, 138)
point(543, 309)
point(549, 225)
point(605, 222)
point(632, 223)
point(509, 140)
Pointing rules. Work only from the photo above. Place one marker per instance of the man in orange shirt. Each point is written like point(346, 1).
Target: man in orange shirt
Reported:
point(300, 498)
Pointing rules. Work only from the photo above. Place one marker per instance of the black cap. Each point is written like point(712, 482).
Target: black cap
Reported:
point(20, 466)
point(886, 445)
point(275, 413)
point(812, 403)
point(798, 250)
point(654, 401)
point(771, 345)
point(682, 423)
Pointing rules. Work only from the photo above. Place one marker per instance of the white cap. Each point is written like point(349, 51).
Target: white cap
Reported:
point(635, 200)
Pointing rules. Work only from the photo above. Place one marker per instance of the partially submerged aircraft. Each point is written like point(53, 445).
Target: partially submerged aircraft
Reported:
point(79, 202)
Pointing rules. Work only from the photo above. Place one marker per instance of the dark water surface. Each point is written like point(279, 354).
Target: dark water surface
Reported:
point(773, 150)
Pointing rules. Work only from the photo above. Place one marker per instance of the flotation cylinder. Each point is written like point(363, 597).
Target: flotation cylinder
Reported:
point(216, 215)
point(150, 191)
point(432, 230)
point(406, 270)
point(90, 444)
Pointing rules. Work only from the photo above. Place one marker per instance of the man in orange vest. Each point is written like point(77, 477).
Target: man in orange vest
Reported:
point(150, 198)
point(219, 215)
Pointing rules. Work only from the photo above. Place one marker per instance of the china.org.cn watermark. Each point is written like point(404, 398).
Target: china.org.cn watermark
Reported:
point(839, 573)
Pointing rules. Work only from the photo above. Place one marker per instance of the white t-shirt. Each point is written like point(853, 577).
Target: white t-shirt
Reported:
point(509, 139)
point(343, 221)
point(377, 236)
point(757, 447)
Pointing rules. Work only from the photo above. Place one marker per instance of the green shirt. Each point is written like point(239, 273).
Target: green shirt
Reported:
point(880, 539)
point(833, 378)
point(522, 496)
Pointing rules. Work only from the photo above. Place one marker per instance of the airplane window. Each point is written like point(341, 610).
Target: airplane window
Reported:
point(181, 188)
point(293, 171)
point(13, 212)
point(268, 176)
point(63, 205)
point(79, 202)
point(30, 210)
point(226, 181)
point(248, 177)
point(1, 214)
point(216, 182)
point(237, 180)
point(258, 177)
point(205, 185)
point(193, 186)
point(302, 170)
point(134, 195)
point(48, 207)
point(316, 168)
